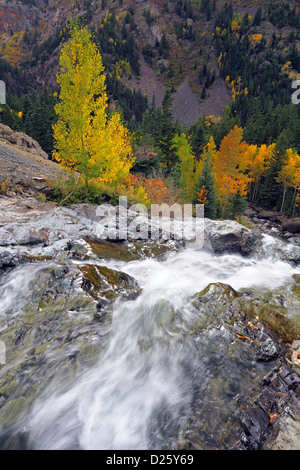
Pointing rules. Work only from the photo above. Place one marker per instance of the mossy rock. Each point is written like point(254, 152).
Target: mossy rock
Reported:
point(296, 286)
point(116, 251)
point(130, 251)
point(100, 281)
point(238, 343)
point(283, 301)
point(220, 299)
point(53, 336)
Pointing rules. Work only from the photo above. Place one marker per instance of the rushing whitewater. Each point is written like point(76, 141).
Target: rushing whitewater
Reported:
point(139, 393)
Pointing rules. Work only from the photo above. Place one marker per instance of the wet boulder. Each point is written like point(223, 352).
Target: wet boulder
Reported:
point(57, 330)
point(102, 282)
point(246, 384)
point(229, 236)
point(8, 260)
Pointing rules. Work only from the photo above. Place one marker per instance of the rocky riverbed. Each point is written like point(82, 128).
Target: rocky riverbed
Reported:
point(274, 223)
point(140, 343)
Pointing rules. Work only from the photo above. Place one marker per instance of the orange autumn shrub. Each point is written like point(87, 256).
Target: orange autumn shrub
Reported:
point(154, 188)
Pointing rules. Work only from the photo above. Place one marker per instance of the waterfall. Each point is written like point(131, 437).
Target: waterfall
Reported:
point(140, 391)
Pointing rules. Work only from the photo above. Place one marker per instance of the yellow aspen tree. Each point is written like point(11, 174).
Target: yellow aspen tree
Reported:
point(85, 138)
point(296, 186)
point(258, 165)
point(210, 150)
point(12, 51)
point(229, 167)
point(287, 176)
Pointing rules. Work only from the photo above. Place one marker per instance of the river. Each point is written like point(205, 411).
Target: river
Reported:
point(141, 390)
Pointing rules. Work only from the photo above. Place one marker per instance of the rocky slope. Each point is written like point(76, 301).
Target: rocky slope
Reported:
point(24, 166)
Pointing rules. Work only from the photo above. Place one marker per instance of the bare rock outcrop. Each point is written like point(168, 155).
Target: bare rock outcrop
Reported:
point(21, 140)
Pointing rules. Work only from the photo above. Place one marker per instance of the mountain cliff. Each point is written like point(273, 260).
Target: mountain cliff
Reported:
point(169, 44)
point(149, 46)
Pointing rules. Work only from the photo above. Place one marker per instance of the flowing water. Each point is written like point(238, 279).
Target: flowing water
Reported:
point(14, 289)
point(140, 391)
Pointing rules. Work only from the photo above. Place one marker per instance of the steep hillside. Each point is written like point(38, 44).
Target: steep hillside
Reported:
point(167, 44)
point(173, 38)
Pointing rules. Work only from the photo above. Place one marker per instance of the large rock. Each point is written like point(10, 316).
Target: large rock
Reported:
point(292, 225)
point(28, 223)
point(22, 141)
point(246, 384)
point(270, 215)
point(229, 236)
point(7, 260)
point(101, 282)
point(60, 328)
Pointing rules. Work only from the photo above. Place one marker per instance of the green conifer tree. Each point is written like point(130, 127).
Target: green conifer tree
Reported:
point(198, 139)
point(271, 194)
point(167, 145)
